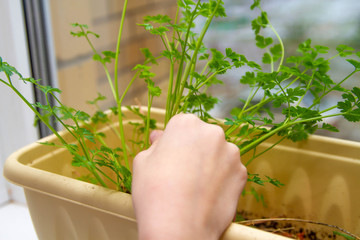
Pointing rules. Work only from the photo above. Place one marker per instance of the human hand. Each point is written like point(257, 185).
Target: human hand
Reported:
point(187, 184)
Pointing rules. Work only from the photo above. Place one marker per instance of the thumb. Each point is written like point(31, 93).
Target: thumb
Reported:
point(155, 135)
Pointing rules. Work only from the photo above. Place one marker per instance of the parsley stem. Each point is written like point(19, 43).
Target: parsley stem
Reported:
point(306, 90)
point(276, 130)
point(281, 45)
point(194, 56)
point(267, 149)
point(37, 113)
point(103, 63)
point(147, 127)
point(121, 125)
point(211, 77)
point(317, 101)
point(116, 80)
point(182, 60)
point(328, 109)
point(169, 94)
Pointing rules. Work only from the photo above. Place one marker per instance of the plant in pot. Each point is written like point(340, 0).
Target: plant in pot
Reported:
point(103, 145)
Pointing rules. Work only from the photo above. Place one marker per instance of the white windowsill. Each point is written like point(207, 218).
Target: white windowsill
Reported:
point(15, 222)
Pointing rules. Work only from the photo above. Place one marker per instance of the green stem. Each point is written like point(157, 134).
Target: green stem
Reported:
point(35, 111)
point(194, 57)
point(121, 125)
point(169, 94)
point(105, 175)
point(251, 96)
point(147, 127)
point(271, 60)
point(122, 138)
point(103, 64)
point(118, 51)
point(328, 109)
point(281, 45)
point(182, 60)
point(258, 155)
point(332, 89)
point(212, 76)
point(306, 90)
point(284, 126)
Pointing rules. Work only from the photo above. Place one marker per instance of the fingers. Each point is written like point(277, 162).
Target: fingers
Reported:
point(155, 135)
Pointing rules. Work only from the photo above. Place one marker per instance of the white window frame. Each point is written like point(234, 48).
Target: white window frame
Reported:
point(16, 121)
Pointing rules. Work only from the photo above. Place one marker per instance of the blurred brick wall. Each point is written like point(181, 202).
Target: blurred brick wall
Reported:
point(81, 78)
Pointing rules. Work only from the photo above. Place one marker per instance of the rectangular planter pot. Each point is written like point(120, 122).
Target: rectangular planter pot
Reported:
point(321, 177)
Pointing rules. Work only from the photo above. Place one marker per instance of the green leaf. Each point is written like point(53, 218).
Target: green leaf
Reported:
point(106, 149)
point(83, 132)
point(48, 89)
point(80, 25)
point(276, 51)
point(141, 67)
point(321, 49)
point(160, 30)
point(8, 69)
point(109, 54)
point(47, 143)
point(97, 57)
point(99, 116)
point(353, 116)
point(344, 50)
point(82, 116)
point(355, 63)
point(153, 90)
point(274, 181)
point(305, 46)
point(185, 4)
point(46, 107)
point(79, 161)
point(255, 179)
point(157, 19)
point(92, 33)
point(254, 65)
point(100, 97)
point(267, 59)
point(263, 42)
point(255, 4)
point(244, 131)
point(203, 101)
point(329, 127)
point(148, 55)
point(300, 112)
point(72, 148)
point(344, 106)
point(205, 56)
point(259, 23)
point(147, 26)
point(356, 92)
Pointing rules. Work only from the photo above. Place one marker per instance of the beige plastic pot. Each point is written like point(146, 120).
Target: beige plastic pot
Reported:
point(321, 177)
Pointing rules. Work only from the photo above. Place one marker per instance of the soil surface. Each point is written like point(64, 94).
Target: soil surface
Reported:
point(292, 229)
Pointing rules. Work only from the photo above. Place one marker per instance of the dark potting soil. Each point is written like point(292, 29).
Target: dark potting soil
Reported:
point(294, 230)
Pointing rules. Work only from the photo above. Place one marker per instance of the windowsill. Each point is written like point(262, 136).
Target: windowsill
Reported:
point(15, 222)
